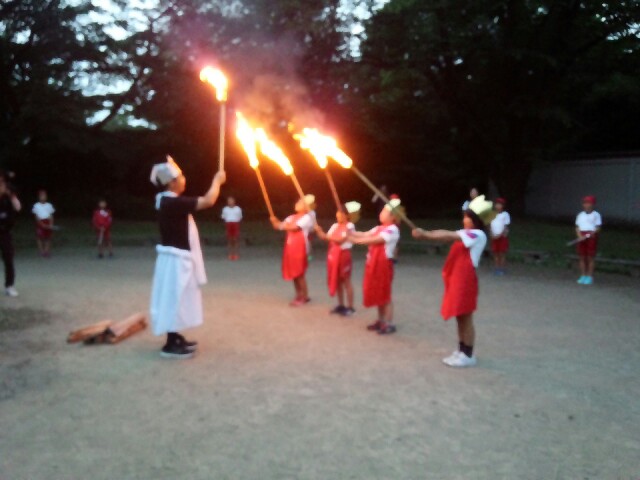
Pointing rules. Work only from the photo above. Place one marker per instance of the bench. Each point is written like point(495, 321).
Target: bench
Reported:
point(631, 266)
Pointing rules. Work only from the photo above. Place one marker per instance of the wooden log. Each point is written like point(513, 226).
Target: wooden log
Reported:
point(89, 331)
point(123, 329)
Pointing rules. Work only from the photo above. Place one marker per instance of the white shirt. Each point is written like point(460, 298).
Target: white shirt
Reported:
point(350, 228)
point(390, 235)
point(499, 224)
point(465, 205)
point(306, 224)
point(588, 222)
point(475, 241)
point(43, 211)
point(231, 214)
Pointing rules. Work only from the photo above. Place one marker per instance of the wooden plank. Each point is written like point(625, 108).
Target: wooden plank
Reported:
point(89, 331)
point(123, 329)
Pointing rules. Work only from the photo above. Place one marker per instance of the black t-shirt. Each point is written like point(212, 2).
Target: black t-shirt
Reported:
point(7, 214)
point(173, 218)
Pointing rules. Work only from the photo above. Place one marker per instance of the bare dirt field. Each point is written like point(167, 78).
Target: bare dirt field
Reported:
point(282, 393)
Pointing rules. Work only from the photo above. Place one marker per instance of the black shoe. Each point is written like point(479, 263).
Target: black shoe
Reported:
point(386, 329)
point(191, 346)
point(347, 312)
point(177, 351)
point(338, 310)
point(374, 327)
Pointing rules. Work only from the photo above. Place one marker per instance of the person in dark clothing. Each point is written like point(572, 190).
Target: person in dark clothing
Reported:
point(9, 208)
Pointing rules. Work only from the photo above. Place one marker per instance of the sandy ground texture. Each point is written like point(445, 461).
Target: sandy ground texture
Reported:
point(283, 393)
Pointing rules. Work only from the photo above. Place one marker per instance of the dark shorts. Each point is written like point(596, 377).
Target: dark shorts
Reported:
point(500, 244)
point(588, 247)
point(233, 229)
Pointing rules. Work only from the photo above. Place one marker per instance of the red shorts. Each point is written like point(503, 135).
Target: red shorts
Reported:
point(106, 235)
point(43, 233)
point(233, 229)
point(588, 247)
point(500, 244)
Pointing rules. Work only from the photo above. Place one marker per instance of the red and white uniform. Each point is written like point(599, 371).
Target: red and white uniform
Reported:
point(102, 220)
point(499, 238)
point(43, 212)
point(232, 217)
point(588, 223)
point(296, 246)
point(459, 274)
point(378, 270)
point(339, 262)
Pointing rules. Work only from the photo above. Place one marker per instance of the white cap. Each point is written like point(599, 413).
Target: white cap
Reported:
point(163, 173)
point(393, 203)
point(309, 199)
point(352, 207)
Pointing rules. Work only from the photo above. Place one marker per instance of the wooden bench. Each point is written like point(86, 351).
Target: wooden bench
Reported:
point(532, 256)
point(632, 266)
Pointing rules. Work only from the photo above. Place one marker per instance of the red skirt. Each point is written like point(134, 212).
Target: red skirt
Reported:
point(44, 233)
point(500, 244)
point(339, 266)
point(460, 283)
point(106, 235)
point(588, 247)
point(233, 229)
point(294, 258)
point(378, 277)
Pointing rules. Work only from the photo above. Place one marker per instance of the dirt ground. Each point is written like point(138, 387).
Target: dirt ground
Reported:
point(282, 393)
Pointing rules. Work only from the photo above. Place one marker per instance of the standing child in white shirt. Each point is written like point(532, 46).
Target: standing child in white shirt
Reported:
point(588, 226)
point(43, 212)
point(500, 236)
point(232, 216)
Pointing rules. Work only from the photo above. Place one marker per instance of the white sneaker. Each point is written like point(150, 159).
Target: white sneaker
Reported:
point(11, 291)
point(451, 358)
point(462, 360)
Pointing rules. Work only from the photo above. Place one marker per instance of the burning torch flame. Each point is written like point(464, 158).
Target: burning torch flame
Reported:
point(270, 150)
point(322, 147)
point(247, 138)
point(217, 80)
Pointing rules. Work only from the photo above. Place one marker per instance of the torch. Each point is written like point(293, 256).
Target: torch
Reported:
point(247, 138)
point(311, 140)
point(219, 82)
point(270, 150)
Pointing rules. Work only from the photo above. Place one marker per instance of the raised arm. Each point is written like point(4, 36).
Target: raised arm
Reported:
point(444, 236)
point(210, 198)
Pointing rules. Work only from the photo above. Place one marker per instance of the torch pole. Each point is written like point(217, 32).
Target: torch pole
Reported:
point(264, 191)
point(332, 186)
point(377, 191)
point(223, 129)
point(296, 184)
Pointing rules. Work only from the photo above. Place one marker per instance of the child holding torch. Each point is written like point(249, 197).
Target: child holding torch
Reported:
point(378, 274)
point(459, 275)
point(588, 226)
point(296, 247)
point(339, 262)
point(176, 300)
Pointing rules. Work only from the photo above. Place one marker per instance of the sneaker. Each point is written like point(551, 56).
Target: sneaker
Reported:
point(298, 302)
point(347, 312)
point(451, 358)
point(581, 280)
point(588, 281)
point(11, 291)
point(461, 361)
point(386, 329)
point(191, 346)
point(177, 351)
point(374, 327)
point(339, 310)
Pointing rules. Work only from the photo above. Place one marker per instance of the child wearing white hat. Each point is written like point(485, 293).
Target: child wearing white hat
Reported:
point(295, 257)
point(176, 300)
point(459, 274)
point(339, 261)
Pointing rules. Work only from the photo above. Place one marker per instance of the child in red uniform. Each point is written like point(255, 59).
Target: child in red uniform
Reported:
point(588, 226)
point(296, 247)
point(339, 263)
point(102, 220)
point(500, 236)
point(43, 212)
point(232, 216)
point(459, 274)
point(378, 274)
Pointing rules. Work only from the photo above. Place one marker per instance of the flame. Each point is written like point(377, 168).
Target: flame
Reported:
point(247, 138)
point(322, 147)
point(217, 80)
point(270, 150)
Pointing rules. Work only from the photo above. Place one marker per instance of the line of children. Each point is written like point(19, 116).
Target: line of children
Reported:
point(500, 236)
point(339, 261)
point(101, 221)
point(588, 226)
point(176, 299)
point(295, 257)
point(43, 212)
point(232, 216)
point(379, 267)
point(459, 274)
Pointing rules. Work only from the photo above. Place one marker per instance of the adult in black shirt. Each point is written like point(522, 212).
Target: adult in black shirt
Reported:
point(9, 208)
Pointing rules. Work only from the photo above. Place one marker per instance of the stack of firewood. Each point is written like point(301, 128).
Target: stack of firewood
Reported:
point(108, 331)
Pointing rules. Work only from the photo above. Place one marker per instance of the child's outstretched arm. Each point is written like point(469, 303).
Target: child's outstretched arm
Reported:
point(444, 236)
point(285, 226)
point(365, 238)
point(322, 235)
point(209, 199)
